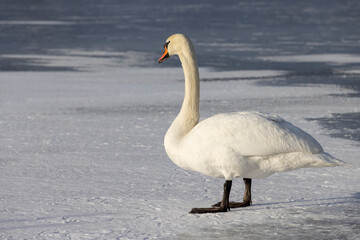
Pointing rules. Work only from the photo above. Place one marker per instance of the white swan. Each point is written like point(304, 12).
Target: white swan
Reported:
point(240, 144)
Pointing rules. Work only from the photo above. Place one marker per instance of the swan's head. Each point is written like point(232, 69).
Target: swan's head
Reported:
point(175, 45)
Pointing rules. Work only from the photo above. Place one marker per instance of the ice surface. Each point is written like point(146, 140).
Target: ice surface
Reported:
point(327, 58)
point(82, 157)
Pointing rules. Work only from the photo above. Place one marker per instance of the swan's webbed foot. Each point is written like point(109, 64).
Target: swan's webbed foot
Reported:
point(234, 204)
point(208, 210)
point(223, 206)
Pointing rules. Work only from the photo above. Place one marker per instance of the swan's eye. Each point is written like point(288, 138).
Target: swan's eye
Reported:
point(166, 44)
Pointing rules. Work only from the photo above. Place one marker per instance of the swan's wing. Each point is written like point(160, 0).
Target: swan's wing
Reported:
point(251, 134)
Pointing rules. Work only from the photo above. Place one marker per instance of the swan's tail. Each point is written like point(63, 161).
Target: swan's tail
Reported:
point(296, 160)
point(329, 161)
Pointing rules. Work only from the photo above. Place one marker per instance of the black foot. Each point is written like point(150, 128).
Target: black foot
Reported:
point(223, 206)
point(234, 204)
point(208, 210)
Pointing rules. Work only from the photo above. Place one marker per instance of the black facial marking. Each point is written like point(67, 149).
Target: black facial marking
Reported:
point(166, 44)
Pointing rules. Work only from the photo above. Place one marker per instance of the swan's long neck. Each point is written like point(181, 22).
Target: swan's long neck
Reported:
point(189, 113)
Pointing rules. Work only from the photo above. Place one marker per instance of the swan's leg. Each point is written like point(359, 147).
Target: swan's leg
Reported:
point(247, 196)
point(224, 204)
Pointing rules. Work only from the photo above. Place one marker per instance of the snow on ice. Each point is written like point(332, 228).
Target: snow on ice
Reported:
point(82, 157)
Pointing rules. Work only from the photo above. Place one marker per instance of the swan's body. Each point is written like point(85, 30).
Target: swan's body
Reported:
point(244, 144)
point(240, 144)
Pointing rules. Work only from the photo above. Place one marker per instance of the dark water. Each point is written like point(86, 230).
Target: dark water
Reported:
point(227, 35)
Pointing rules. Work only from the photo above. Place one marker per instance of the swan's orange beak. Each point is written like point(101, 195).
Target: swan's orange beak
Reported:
point(164, 56)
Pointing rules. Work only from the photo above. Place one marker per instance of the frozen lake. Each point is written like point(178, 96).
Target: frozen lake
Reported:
point(84, 109)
